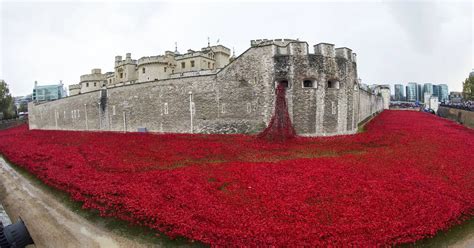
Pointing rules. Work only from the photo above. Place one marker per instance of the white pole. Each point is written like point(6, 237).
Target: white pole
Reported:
point(124, 123)
point(191, 110)
point(100, 121)
point(56, 118)
point(85, 114)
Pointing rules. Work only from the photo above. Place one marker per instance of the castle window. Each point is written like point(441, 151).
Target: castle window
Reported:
point(164, 69)
point(87, 84)
point(121, 75)
point(212, 65)
point(223, 108)
point(192, 63)
point(333, 84)
point(209, 65)
point(308, 83)
point(283, 82)
point(143, 70)
point(110, 81)
point(95, 84)
point(183, 64)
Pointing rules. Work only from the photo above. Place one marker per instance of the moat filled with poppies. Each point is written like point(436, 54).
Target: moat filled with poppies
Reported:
point(406, 177)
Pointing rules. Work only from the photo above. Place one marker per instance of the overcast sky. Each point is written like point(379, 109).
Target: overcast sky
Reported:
point(396, 42)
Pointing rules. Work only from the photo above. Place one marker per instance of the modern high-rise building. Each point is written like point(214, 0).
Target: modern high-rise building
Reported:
point(48, 92)
point(416, 92)
point(443, 93)
point(428, 87)
point(399, 94)
point(436, 90)
point(419, 92)
point(412, 92)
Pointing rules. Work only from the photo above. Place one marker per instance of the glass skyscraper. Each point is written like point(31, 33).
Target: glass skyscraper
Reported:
point(443, 95)
point(412, 92)
point(399, 94)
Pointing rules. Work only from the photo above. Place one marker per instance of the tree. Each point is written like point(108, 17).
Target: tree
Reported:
point(7, 106)
point(23, 107)
point(468, 88)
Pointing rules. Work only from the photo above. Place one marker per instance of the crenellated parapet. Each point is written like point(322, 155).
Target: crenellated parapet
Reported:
point(266, 42)
point(74, 87)
point(95, 75)
point(160, 59)
point(297, 47)
point(328, 50)
point(128, 60)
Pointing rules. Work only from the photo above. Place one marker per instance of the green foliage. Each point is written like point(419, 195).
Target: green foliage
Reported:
point(468, 88)
point(23, 107)
point(7, 106)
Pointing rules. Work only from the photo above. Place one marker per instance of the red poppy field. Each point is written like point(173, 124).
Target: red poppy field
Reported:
point(408, 176)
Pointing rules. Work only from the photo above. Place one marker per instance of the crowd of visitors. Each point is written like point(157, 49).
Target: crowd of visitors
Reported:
point(466, 105)
point(404, 105)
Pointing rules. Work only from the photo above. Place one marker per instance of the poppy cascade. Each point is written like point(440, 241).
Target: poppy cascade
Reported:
point(280, 127)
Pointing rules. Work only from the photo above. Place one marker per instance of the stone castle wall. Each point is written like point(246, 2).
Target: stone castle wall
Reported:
point(459, 115)
point(237, 99)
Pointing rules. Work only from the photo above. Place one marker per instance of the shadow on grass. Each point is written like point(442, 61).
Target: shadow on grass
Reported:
point(140, 234)
point(448, 238)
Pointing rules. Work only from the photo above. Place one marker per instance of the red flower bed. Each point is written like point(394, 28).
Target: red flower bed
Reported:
point(408, 176)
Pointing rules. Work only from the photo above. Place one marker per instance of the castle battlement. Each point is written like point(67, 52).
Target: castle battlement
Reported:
point(128, 60)
point(74, 87)
point(297, 47)
point(153, 59)
point(95, 75)
point(191, 54)
point(220, 49)
point(265, 42)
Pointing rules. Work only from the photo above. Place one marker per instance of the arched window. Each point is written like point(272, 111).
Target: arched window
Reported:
point(308, 83)
point(143, 70)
